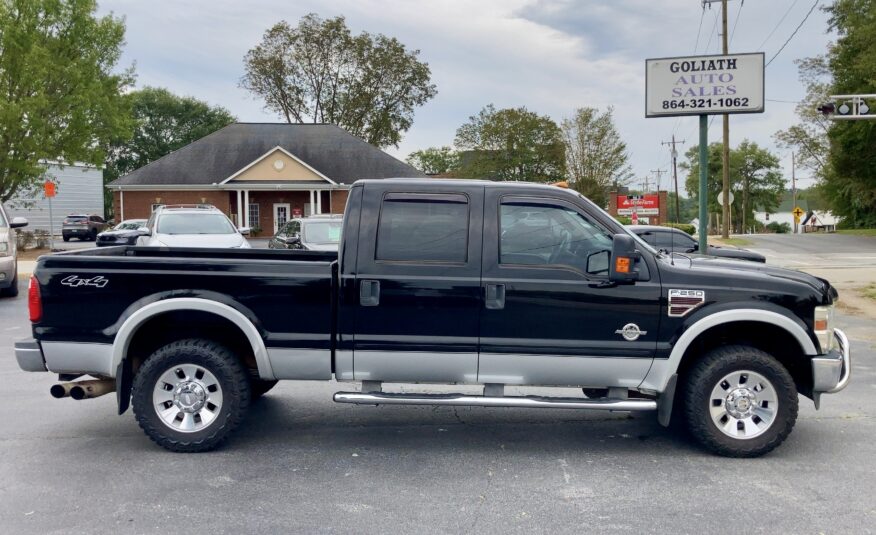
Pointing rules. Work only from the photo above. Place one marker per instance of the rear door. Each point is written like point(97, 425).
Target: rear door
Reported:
point(550, 315)
point(418, 284)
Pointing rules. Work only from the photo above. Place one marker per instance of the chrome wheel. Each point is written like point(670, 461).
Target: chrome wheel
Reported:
point(743, 404)
point(187, 398)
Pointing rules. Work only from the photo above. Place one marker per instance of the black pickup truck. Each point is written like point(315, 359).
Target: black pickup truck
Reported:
point(442, 281)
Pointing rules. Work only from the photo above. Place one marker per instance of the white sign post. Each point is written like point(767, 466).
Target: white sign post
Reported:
point(703, 86)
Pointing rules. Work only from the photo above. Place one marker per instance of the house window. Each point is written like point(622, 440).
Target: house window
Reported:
point(254, 215)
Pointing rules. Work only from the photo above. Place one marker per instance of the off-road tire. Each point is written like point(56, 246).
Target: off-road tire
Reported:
point(705, 375)
point(218, 360)
point(65, 238)
point(259, 387)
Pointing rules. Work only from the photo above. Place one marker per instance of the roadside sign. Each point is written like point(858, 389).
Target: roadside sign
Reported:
point(798, 212)
point(703, 85)
point(49, 187)
point(729, 197)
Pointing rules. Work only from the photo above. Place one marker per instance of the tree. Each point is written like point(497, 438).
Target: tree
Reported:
point(511, 144)
point(841, 154)
point(318, 72)
point(755, 180)
point(435, 160)
point(596, 157)
point(61, 98)
point(163, 122)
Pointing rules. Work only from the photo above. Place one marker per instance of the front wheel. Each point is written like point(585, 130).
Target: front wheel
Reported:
point(740, 401)
point(190, 395)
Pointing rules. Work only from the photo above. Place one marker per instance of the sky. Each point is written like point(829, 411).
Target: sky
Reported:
point(551, 56)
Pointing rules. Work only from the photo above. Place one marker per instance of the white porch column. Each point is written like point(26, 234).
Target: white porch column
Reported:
point(239, 210)
point(312, 203)
point(245, 208)
point(121, 204)
point(319, 202)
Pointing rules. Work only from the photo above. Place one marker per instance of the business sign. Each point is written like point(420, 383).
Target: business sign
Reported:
point(49, 189)
point(703, 85)
point(639, 204)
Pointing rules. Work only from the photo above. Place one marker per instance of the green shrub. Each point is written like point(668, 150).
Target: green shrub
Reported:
point(24, 239)
point(41, 237)
point(684, 227)
point(778, 228)
point(624, 220)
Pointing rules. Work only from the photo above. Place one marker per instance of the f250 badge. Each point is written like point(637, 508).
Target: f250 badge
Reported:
point(74, 282)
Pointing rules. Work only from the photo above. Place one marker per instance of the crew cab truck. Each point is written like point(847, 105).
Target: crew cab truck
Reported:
point(448, 282)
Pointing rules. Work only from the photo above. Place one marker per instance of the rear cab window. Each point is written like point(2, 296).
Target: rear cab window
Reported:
point(416, 227)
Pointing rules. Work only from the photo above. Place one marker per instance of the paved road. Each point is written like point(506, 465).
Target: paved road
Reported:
point(303, 464)
point(815, 250)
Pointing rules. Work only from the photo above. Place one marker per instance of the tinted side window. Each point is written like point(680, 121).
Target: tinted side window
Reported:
point(423, 227)
point(539, 234)
point(670, 239)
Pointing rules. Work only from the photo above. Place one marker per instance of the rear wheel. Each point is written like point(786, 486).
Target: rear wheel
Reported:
point(740, 401)
point(190, 395)
point(66, 238)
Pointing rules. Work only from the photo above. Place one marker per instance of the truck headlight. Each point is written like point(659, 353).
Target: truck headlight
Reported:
point(4, 248)
point(823, 326)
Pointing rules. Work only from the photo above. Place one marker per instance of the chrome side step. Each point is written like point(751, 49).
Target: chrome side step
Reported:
point(529, 402)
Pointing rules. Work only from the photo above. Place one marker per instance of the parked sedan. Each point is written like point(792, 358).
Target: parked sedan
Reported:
point(314, 233)
point(125, 233)
point(199, 225)
point(84, 227)
point(8, 254)
point(676, 241)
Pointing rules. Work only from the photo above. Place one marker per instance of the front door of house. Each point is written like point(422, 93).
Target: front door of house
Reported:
point(281, 215)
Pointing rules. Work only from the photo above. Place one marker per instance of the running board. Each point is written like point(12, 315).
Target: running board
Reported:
point(529, 402)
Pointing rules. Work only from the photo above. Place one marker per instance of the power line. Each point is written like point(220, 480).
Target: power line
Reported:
point(733, 32)
point(802, 22)
point(776, 27)
point(702, 16)
point(714, 26)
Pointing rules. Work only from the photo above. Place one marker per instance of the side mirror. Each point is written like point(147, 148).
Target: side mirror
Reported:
point(598, 262)
point(18, 222)
point(621, 269)
point(144, 231)
point(245, 230)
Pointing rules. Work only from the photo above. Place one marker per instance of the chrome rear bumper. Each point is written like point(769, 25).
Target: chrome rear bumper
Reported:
point(30, 356)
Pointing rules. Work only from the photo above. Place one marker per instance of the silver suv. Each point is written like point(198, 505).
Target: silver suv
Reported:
point(9, 254)
point(191, 225)
point(82, 226)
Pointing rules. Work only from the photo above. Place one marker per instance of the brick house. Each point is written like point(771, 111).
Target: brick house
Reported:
point(259, 174)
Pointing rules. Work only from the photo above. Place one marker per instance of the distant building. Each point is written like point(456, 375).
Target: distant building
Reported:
point(260, 174)
point(784, 213)
point(79, 190)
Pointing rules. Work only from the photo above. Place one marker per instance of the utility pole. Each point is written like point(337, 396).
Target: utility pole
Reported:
point(794, 191)
point(658, 172)
point(674, 154)
point(645, 183)
point(725, 155)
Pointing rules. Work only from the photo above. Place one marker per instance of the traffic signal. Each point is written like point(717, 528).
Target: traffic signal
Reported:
point(863, 108)
point(845, 108)
point(827, 109)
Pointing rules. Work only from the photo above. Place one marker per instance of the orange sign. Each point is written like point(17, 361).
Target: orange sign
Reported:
point(622, 264)
point(50, 188)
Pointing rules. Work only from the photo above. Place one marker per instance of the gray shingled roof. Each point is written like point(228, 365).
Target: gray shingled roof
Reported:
point(329, 149)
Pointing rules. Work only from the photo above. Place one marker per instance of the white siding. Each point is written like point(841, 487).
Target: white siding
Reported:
point(79, 191)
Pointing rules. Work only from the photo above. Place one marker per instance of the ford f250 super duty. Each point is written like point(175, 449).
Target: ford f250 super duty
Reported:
point(442, 281)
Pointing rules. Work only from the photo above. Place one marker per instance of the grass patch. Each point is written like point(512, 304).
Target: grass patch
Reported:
point(858, 231)
point(736, 242)
point(870, 292)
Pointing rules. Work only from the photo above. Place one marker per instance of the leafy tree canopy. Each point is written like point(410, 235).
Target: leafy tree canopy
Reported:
point(318, 72)
point(435, 160)
point(511, 144)
point(62, 96)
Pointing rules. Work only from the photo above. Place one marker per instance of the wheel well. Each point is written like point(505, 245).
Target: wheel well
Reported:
point(167, 327)
point(776, 341)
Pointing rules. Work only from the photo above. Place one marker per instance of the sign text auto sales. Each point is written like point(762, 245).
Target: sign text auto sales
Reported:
point(704, 85)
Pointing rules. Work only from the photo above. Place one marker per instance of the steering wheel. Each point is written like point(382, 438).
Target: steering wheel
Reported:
point(562, 248)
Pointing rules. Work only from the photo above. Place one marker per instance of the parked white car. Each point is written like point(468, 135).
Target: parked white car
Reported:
point(8, 256)
point(193, 225)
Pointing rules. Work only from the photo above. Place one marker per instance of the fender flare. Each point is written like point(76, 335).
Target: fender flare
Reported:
point(132, 324)
point(662, 370)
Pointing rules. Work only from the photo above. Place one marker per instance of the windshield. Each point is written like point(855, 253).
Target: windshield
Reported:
point(193, 223)
point(323, 232)
point(132, 224)
point(639, 241)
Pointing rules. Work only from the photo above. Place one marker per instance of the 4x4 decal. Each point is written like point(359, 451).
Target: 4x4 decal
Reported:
point(74, 282)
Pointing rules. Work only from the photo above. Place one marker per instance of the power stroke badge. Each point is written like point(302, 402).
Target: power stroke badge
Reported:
point(630, 332)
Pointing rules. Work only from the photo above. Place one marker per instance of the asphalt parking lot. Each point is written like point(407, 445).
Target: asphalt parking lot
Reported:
point(301, 463)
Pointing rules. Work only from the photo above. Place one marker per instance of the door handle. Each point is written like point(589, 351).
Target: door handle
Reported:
point(495, 297)
point(369, 293)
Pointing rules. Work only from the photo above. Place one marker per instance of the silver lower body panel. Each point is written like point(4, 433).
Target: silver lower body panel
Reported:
point(530, 402)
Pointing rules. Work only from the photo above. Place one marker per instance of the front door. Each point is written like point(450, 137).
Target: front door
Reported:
point(418, 293)
point(281, 215)
point(551, 317)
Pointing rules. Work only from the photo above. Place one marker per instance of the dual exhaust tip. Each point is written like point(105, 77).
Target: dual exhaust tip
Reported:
point(83, 389)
